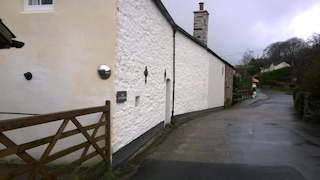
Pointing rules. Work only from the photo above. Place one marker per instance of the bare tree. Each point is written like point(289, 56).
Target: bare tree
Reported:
point(274, 50)
point(285, 49)
point(314, 40)
point(292, 47)
point(247, 57)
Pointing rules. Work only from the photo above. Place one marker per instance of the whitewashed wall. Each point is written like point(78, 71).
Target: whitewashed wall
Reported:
point(144, 39)
point(199, 78)
point(216, 90)
point(192, 69)
point(281, 65)
point(65, 49)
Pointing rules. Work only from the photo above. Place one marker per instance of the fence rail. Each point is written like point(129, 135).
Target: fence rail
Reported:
point(242, 94)
point(37, 167)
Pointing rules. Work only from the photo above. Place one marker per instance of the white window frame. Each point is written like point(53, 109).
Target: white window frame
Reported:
point(46, 7)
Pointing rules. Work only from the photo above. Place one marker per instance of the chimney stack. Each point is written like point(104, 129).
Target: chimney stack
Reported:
point(201, 19)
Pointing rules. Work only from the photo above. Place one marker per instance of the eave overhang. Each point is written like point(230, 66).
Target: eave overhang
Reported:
point(6, 36)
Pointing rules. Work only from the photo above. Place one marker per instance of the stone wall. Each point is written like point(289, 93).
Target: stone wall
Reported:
point(132, 37)
point(309, 107)
point(144, 39)
point(200, 77)
point(228, 85)
point(192, 69)
point(200, 30)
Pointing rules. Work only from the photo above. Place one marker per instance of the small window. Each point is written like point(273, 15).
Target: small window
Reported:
point(137, 102)
point(38, 5)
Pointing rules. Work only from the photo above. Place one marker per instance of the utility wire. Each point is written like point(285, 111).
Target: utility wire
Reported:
point(241, 53)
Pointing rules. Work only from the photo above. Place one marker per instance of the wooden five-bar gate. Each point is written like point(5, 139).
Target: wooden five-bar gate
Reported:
point(39, 167)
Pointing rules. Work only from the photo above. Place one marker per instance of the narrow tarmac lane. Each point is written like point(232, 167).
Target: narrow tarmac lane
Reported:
point(261, 139)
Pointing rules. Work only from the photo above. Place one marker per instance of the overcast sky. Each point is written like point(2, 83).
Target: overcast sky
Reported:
point(238, 25)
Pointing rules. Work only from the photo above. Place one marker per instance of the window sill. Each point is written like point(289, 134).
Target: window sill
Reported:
point(38, 8)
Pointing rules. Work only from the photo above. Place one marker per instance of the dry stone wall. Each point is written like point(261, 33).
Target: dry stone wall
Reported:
point(228, 85)
point(309, 107)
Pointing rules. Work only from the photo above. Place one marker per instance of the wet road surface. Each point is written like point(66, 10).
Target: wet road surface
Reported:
point(261, 139)
point(277, 139)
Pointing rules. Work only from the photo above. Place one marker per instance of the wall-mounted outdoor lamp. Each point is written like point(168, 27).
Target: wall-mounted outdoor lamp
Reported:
point(104, 71)
point(145, 74)
point(28, 75)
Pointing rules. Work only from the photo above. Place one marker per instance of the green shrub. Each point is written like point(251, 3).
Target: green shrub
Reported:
point(282, 75)
point(280, 84)
point(228, 102)
point(292, 85)
point(236, 82)
point(245, 82)
point(311, 77)
point(296, 95)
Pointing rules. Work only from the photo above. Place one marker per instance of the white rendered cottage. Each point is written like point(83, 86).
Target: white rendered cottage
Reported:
point(165, 73)
point(275, 66)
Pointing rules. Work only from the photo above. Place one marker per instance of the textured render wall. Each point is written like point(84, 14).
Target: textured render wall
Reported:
point(144, 39)
point(216, 82)
point(63, 49)
point(192, 70)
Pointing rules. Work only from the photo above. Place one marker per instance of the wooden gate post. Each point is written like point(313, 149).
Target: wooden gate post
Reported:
point(108, 133)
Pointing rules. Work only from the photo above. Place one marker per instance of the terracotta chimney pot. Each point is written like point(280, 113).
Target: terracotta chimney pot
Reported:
point(201, 6)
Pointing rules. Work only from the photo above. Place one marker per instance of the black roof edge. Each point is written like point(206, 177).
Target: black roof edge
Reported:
point(226, 62)
point(167, 15)
point(13, 36)
point(17, 44)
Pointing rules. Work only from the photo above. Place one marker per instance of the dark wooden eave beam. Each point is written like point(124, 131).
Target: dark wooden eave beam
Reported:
point(6, 36)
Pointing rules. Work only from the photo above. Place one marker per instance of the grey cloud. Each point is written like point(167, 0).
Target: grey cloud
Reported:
point(236, 25)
